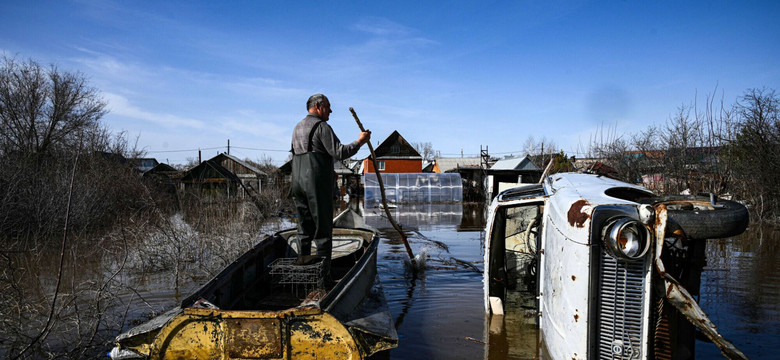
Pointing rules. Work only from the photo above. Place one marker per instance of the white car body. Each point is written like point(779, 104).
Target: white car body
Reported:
point(569, 243)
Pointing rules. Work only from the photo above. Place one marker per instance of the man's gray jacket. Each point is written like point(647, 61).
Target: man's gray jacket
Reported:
point(323, 139)
point(315, 147)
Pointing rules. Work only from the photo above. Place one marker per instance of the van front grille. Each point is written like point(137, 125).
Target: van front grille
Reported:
point(618, 328)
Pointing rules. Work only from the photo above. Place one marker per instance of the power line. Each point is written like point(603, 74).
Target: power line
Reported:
point(287, 150)
point(185, 150)
point(246, 148)
point(214, 148)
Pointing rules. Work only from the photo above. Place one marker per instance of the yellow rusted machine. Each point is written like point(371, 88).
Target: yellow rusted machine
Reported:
point(300, 333)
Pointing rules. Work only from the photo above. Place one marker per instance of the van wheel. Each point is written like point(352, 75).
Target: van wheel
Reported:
point(700, 220)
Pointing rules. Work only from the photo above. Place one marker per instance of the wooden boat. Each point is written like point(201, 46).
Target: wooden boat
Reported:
point(265, 306)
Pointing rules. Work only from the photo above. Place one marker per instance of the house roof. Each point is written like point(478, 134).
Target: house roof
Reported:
point(344, 167)
point(452, 164)
point(222, 157)
point(286, 168)
point(396, 146)
point(209, 170)
point(162, 167)
point(514, 163)
point(163, 170)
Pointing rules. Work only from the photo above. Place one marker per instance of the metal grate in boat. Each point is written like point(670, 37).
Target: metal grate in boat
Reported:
point(620, 313)
point(301, 279)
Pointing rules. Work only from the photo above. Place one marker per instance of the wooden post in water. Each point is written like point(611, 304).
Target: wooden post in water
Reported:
point(384, 199)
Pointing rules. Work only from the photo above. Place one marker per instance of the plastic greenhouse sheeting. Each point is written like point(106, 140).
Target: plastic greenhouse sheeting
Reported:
point(414, 188)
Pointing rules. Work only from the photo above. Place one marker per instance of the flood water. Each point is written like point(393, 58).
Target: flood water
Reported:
point(439, 314)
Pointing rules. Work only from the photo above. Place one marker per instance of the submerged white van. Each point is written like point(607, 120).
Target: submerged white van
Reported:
point(607, 269)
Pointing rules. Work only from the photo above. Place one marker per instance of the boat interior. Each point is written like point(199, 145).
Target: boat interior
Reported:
point(272, 277)
point(514, 258)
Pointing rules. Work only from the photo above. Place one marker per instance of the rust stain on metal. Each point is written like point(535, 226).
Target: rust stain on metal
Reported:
point(576, 318)
point(576, 216)
point(573, 278)
point(256, 338)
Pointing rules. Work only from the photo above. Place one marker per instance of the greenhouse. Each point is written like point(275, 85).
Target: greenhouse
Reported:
point(414, 188)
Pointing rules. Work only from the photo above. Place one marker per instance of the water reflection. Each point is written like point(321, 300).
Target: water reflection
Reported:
point(439, 313)
point(416, 216)
point(512, 336)
point(474, 217)
point(740, 291)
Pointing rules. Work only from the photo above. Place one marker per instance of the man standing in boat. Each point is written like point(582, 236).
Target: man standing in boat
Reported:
point(315, 148)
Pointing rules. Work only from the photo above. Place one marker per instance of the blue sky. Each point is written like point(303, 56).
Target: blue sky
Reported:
point(459, 74)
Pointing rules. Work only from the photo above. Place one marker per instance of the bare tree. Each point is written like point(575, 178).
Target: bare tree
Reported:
point(680, 155)
point(754, 150)
point(541, 151)
point(426, 150)
point(47, 118)
point(44, 110)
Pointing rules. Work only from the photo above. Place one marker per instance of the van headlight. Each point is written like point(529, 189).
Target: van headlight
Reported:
point(626, 238)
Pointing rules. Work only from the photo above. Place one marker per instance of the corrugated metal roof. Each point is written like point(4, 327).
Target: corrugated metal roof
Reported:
point(342, 167)
point(515, 163)
point(451, 164)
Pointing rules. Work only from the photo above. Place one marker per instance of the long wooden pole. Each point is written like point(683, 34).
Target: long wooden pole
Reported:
point(384, 199)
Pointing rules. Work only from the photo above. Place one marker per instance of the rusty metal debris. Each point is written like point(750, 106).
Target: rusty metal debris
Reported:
point(475, 340)
point(680, 298)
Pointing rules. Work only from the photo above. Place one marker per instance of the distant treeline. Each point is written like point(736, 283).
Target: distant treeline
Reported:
point(80, 227)
point(60, 165)
point(726, 149)
point(57, 159)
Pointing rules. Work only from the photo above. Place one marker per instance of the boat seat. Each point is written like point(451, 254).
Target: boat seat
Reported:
point(343, 245)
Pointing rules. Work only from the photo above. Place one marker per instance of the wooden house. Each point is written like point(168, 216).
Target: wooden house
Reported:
point(394, 155)
point(224, 175)
point(250, 176)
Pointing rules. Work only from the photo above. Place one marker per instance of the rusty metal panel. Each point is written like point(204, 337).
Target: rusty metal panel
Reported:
point(662, 336)
point(321, 337)
point(188, 338)
point(254, 338)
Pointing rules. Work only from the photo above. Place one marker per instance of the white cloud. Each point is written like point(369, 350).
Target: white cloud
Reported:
point(263, 88)
point(119, 105)
point(381, 27)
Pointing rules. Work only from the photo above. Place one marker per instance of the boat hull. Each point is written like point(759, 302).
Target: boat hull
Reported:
point(301, 333)
point(225, 320)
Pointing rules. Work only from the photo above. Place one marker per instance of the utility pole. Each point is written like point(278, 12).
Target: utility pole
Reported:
point(228, 146)
point(483, 164)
